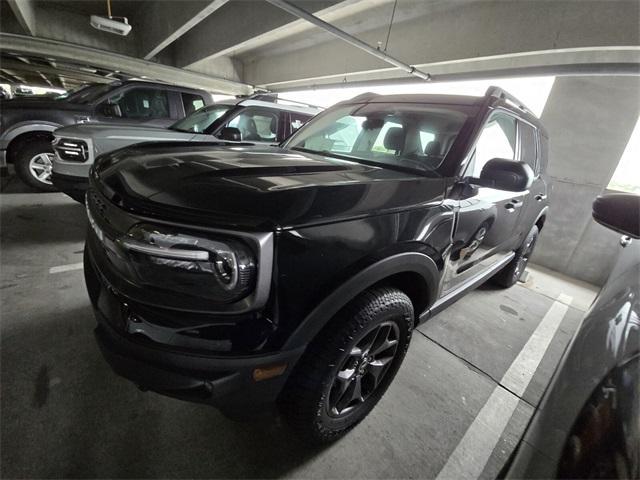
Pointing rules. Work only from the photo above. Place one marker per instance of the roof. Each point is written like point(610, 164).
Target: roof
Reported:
point(494, 96)
point(308, 110)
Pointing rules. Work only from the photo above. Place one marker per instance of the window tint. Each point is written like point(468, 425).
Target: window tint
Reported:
point(297, 120)
point(405, 135)
point(192, 102)
point(142, 103)
point(528, 149)
point(497, 140)
point(256, 125)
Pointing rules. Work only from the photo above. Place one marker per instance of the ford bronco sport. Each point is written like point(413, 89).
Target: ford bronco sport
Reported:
point(245, 277)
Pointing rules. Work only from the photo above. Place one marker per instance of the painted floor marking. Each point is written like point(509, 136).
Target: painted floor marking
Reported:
point(470, 457)
point(66, 268)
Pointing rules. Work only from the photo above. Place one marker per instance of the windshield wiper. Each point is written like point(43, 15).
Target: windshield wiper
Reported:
point(370, 163)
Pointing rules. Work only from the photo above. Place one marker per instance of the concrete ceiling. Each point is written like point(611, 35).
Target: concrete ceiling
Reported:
point(231, 46)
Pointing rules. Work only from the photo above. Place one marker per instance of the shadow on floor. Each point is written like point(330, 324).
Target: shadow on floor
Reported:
point(63, 406)
point(25, 224)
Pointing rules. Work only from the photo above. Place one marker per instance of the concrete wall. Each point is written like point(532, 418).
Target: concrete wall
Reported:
point(590, 120)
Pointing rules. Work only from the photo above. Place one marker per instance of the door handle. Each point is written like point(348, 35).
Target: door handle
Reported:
point(625, 241)
point(540, 197)
point(513, 204)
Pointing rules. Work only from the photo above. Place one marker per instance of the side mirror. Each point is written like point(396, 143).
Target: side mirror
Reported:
point(230, 133)
point(503, 174)
point(110, 110)
point(620, 212)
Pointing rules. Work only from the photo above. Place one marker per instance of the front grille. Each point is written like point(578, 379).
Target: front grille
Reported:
point(71, 150)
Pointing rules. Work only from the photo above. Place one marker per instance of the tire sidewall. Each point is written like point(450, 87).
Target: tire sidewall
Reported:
point(394, 311)
point(25, 155)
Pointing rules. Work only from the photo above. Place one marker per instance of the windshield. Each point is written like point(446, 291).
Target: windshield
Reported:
point(90, 93)
point(402, 135)
point(200, 120)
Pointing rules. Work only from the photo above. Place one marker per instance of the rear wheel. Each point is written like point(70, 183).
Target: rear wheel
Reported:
point(512, 272)
point(33, 164)
point(347, 369)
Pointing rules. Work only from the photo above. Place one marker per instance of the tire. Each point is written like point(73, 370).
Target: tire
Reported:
point(35, 156)
point(512, 271)
point(320, 400)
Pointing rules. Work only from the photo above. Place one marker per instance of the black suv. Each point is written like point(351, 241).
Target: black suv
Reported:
point(26, 124)
point(245, 277)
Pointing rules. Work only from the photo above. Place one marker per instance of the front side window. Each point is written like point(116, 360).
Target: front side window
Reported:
point(202, 120)
point(141, 103)
point(413, 136)
point(256, 125)
point(497, 140)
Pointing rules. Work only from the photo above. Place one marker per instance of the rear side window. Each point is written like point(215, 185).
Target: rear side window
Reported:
point(142, 103)
point(192, 102)
point(297, 120)
point(528, 146)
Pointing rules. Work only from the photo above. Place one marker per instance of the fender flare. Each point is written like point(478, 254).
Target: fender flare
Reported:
point(407, 262)
point(26, 127)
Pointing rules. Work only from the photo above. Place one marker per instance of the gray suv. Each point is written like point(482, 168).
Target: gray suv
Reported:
point(26, 125)
point(259, 119)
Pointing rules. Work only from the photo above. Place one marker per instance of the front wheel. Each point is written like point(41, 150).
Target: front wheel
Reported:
point(346, 370)
point(511, 273)
point(33, 165)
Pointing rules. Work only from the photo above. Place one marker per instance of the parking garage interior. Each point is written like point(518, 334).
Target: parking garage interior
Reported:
point(474, 374)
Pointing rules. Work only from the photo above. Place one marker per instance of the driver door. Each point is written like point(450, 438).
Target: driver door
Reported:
point(486, 231)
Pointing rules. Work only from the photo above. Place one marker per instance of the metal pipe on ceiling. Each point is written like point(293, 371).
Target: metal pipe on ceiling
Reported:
point(299, 12)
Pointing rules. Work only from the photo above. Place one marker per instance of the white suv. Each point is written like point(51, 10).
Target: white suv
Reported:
point(259, 119)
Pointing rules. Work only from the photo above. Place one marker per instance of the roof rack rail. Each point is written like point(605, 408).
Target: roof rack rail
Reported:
point(498, 92)
point(274, 98)
point(364, 96)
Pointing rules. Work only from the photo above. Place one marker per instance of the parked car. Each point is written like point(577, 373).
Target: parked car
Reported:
point(588, 422)
point(26, 124)
point(247, 276)
point(258, 119)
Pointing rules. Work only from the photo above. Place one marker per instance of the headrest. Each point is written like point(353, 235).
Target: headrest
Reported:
point(273, 126)
point(433, 148)
point(394, 139)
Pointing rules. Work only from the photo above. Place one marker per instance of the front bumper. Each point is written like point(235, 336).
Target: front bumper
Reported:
point(75, 187)
point(224, 381)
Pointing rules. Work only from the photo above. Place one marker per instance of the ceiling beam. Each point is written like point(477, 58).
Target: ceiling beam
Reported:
point(175, 23)
point(21, 44)
point(350, 39)
point(232, 25)
point(24, 10)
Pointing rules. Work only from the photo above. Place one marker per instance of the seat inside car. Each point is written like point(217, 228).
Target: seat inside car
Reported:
point(394, 139)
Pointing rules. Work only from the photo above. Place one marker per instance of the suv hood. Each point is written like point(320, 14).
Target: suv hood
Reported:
point(121, 131)
point(258, 188)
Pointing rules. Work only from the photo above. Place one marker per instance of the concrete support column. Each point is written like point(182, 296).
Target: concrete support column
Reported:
point(590, 121)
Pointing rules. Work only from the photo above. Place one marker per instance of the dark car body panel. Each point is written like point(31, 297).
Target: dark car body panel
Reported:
point(599, 374)
point(338, 226)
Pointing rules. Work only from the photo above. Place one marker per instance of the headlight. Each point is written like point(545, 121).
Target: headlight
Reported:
point(220, 269)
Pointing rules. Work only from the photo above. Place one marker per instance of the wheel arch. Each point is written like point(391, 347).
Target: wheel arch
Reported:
point(20, 134)
point(416, 274)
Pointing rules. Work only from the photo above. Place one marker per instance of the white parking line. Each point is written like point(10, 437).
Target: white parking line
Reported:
point(66, 268)
point(470, 457)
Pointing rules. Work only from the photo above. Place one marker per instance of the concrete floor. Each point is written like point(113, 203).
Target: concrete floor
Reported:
point(65, 414)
